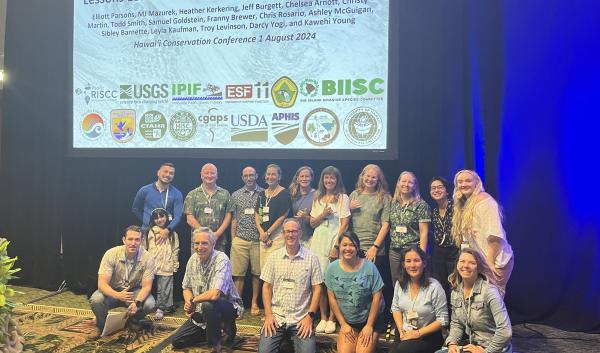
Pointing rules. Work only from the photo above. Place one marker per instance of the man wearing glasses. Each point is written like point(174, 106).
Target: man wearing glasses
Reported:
point(245, 243)
point(291, 293)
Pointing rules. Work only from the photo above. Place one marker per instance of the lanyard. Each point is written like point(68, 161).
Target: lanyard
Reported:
point(208, 197)
point(127, 270)
point(468, 312)
point(166, 198)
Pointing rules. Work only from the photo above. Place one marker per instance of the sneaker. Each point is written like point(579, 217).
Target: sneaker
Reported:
point(321, 326)
point(159, 315)
point(330, 327)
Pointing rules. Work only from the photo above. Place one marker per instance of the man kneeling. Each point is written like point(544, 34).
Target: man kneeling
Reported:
point(124, 279)
point(211, 300)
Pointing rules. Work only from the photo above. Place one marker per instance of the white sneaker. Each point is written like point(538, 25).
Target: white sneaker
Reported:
point(321, 326)
point(330, 327)
point(159, 315)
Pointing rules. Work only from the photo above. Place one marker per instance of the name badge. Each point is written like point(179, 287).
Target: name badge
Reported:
point(265, 218)
point(265, 209)
point(401, 229)
point(208, 210)
point(413, 319)
point(411, 314)
point(288, 284)
point(248, 211)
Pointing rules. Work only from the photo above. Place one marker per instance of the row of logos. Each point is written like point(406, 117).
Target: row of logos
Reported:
point(321, 126)
point(283, 92)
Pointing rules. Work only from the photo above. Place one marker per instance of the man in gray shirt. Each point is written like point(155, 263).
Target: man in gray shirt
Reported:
point(211, 300)
point(124, 279)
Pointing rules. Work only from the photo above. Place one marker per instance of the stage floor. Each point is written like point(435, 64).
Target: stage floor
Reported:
point(527, 338)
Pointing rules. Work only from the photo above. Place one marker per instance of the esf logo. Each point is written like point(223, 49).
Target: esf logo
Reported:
point(248, 120)
point(286, 116)
point(145, 91)
point(259, 90)
point(353, 87)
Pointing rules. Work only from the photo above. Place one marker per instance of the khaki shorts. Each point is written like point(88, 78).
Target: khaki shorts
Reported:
point(278, 243)
point(244, 253)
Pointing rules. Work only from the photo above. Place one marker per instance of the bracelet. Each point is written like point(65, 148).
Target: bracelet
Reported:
point(376, 246)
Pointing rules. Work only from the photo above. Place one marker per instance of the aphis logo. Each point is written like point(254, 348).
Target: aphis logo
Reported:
point(285, 127)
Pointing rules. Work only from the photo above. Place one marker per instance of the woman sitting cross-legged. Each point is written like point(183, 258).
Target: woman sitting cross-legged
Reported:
point(354, 290)
point(480, 322)
point(419, 306)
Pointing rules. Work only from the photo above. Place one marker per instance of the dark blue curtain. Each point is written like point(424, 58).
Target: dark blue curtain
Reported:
point(509, 88)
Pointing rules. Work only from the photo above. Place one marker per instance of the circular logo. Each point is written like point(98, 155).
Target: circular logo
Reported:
point(321, 126)
point(362, 126)
point(153, 125)
point(183, 125)
point(309, 87)
point(92, 126)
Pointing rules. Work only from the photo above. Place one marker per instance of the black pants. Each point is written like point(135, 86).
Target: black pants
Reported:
point(443, 264)
point(215, 314)
point(426, 344)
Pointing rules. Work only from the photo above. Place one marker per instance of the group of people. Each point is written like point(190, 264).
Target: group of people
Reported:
point(320, 252)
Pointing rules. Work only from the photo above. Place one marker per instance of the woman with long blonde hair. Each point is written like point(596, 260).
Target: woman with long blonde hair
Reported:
point(477, 224)
point(409, 221)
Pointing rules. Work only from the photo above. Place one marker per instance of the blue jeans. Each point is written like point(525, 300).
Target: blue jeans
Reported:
point(215, 314)
point(101, 304)
point(272, 344)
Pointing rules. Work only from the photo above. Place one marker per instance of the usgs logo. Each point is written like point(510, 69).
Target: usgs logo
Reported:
point(144, 91)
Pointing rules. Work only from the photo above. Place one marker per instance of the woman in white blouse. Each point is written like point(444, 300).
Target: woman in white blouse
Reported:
point(477, 224)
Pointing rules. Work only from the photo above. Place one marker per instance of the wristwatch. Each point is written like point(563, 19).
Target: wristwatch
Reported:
point(311, 314)
point(138, 304)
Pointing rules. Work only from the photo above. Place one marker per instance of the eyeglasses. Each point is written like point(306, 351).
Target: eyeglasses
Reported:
point(438, 187)
point(295, 231)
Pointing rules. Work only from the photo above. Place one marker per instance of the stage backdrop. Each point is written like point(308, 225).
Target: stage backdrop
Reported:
point(510, 88)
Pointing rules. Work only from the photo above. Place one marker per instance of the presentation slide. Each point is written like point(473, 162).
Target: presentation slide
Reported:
point(231, 75)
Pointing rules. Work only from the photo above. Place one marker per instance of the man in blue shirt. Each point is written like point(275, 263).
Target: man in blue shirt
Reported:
point(160, 194)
